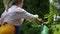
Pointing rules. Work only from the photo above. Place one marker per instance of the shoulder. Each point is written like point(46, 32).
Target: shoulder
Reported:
point(20, 9)
point(14, 8)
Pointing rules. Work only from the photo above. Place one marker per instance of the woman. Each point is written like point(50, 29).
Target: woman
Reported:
point(15, 15)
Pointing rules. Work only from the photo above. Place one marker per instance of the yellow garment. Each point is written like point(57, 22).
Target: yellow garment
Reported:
point(7, 29)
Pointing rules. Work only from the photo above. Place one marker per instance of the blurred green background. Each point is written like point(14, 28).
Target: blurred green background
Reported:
point(48, 10)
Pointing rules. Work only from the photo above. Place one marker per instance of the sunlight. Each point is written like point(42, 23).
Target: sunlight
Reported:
point(51, 1)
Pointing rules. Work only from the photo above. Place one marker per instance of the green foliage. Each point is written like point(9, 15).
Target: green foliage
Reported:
point(50, 15)
point(40, 7)
point(7, 3)
point(1, 7)
point(30, 27)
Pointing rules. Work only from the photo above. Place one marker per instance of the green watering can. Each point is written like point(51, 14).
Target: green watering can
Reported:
point(44, 29)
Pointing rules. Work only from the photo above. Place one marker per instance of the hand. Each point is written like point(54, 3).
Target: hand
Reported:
point(41, 21)
point(36, 16)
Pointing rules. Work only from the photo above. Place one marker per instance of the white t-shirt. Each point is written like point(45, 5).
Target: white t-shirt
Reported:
point(16, 15)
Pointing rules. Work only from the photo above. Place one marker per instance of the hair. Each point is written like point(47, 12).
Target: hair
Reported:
point(7, 4)
point(16, 1)
point(10, 3)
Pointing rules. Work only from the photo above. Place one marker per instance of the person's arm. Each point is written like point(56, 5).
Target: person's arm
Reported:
point(1, 19)
point(30, 16)
point(40, 21)
point(24, 14)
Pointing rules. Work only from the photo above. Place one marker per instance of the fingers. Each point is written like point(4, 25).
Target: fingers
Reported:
point(41, 21)
point(36, 16)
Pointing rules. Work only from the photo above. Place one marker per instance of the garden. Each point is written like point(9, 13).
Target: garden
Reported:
point(47, 10)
